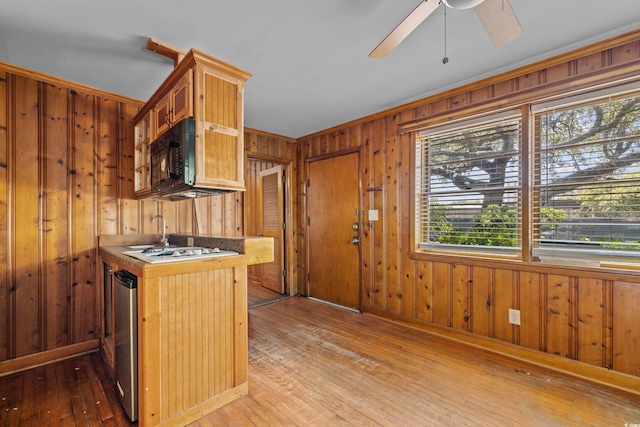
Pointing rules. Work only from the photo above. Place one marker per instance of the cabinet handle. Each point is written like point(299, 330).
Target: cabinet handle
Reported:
point(174, 160)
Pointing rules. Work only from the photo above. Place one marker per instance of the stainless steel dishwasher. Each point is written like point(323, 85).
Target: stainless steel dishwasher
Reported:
point(126, 330)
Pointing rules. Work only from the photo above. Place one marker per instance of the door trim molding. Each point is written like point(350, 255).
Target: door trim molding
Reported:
point(334, 154)
point(291, 280)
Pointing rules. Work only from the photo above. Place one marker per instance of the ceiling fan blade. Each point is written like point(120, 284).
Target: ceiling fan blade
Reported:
point(499, 20)
point(404, 28)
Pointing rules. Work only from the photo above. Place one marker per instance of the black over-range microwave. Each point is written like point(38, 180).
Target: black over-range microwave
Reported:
point(173, 163)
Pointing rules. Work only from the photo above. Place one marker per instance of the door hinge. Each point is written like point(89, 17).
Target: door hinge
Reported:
point(284, 226)
point(284, 273)
point(308, 277)
point(308, 220)
point(284, 179)
point(308, 183)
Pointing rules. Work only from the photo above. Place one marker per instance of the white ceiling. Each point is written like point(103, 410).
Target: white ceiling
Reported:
point(309, 60)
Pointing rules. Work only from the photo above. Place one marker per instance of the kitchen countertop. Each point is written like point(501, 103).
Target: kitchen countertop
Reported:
point(252, 250)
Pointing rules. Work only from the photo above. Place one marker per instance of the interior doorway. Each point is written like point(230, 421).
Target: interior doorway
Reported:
point(333, 229)
point(265, 215)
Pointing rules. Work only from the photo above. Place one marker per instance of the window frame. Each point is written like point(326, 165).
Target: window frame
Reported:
point(527, 109)
point(571, 254)
point(501, 252)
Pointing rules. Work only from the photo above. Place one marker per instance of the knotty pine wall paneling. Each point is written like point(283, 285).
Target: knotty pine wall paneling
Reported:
point(25, 281)
point(393, 219)
point(481, 307)
point(59, 189)
point(378, 260)
point(532, 314)
point(369, 228)
point(66, 177)
point(4, 218)
point(625, 338)
point(574, 313)
point(404, 164)
point(558, 315)
point(83, 224)
point(590, 319)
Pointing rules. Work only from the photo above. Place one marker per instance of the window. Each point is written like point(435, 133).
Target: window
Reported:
point(587, 178)
point(468, 184)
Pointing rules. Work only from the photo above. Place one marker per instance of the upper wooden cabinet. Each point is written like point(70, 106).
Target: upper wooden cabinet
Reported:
point(176, 105)
point(212, 92)
point(142, 140)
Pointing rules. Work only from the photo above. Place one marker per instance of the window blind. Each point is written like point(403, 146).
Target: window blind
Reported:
point(469, 185)
point(586, 192)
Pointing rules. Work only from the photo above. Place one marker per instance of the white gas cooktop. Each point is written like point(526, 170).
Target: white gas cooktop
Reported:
point(173, 254)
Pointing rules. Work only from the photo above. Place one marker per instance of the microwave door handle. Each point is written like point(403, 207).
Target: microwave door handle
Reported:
point(173, 146)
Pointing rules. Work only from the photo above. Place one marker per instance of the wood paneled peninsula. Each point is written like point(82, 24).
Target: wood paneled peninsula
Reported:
point(192, 324)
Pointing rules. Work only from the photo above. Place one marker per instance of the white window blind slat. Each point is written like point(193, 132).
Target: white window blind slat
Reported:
point(469, 185)
point(587, 176)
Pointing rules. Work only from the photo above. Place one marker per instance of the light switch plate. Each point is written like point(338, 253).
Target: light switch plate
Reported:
point(373, 215)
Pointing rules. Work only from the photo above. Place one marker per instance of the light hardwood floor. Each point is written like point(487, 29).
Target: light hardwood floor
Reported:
point(259, 295)
point(311, 364)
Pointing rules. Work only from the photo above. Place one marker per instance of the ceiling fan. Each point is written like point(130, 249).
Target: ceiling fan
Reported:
point(497, 16)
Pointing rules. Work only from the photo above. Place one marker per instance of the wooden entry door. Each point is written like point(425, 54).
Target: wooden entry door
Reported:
point(333, 216)
point(272, 225)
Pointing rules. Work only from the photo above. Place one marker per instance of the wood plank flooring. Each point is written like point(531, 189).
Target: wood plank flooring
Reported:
point(259, 295)
point(312, 364)
point(73, 392)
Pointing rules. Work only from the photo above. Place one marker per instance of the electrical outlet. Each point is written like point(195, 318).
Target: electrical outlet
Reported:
point(514, 316)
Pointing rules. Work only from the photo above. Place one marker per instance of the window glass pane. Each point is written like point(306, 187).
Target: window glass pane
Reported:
point(469, 185)
point(587, 176)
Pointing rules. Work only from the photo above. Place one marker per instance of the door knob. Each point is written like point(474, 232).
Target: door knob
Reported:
point(355, 240)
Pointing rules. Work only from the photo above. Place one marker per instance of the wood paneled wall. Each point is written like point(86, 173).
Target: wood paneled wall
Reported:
point(580, 314)
point(62, 179)
point(66, 177)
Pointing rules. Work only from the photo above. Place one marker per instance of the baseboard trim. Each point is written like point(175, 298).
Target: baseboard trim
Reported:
point(34, 360)
point(575, 368)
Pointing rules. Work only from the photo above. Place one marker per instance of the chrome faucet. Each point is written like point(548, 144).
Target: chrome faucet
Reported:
point(164, 239)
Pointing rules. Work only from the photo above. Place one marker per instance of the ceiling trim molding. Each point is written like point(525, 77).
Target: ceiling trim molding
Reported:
point(56, 81)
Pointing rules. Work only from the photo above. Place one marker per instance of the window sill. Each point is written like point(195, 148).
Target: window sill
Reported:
point(453, 255)
point(480, 252)
point(582, 258)
point(621, 265)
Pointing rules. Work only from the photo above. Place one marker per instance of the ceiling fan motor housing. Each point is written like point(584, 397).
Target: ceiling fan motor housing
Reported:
point(461, 4)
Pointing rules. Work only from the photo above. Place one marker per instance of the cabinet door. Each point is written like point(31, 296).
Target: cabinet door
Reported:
point(176, 105)
point(163, 115)
point(142, 159)
point(220, 153)
point(182, 98)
